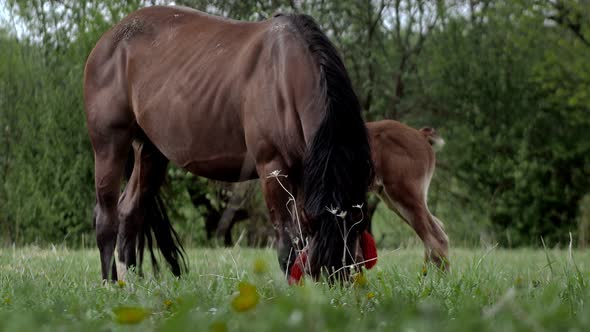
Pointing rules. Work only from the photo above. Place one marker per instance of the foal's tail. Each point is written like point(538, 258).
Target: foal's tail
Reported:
point(433, 138)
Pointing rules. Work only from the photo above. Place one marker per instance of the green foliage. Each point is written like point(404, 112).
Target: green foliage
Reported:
point(47, 192)
point(492, 290)
point(518, 122)
point(504, 82)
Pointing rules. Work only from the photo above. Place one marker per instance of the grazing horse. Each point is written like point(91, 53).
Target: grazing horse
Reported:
point(230, 101)
point(404, 162)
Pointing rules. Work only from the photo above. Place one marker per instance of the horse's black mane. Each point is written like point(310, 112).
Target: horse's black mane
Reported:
point(338, 167)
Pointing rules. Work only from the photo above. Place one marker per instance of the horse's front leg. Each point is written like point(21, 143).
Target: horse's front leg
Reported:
point(279, 194)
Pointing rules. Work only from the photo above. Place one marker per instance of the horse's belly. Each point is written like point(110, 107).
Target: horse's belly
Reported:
point(224, 168)
point(206, 145)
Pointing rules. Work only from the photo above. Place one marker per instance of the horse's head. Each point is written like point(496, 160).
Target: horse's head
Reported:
point(338, 244)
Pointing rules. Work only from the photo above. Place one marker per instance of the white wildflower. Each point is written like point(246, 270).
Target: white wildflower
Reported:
point(332, 210)
point(274, 173)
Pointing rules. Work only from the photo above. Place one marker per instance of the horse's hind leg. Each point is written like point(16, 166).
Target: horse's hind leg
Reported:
point(111, 142)
point(436, 242)
point(135, 205)
point(410, 204)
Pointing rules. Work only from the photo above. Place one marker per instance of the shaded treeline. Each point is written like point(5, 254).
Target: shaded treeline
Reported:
point(505, 82)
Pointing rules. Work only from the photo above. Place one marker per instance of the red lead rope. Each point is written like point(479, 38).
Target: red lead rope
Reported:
point(297, 270)
point(369, 254)
point(369, 249)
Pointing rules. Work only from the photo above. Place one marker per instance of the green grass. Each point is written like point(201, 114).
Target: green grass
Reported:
point(493, 290)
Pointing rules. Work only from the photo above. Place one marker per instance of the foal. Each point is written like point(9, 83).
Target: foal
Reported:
point(404, 162)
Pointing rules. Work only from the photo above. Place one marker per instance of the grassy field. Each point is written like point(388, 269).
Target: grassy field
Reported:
point(487, 290)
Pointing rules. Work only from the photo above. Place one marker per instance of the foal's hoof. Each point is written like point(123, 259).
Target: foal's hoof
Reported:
point(443, 267)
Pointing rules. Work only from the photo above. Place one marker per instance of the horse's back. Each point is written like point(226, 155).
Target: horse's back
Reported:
point(154, 37)
point(195, 83)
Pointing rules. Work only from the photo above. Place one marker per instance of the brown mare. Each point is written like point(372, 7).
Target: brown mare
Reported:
point(230, 101)
point(404, 164)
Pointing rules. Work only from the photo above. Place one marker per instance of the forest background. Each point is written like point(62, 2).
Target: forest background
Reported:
point(506, 83)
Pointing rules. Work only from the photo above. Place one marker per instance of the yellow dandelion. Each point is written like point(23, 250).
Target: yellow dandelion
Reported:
point(260, 266)
point(130, 315)
point(7, 300)
point(218, 326)
point(168, 303)
point(370, 295)
point(359, 279)
point(121, 283)
point(246, 299)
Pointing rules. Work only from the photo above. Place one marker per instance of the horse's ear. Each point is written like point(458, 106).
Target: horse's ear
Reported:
point(307, 221)
point(304, 217)
point(360, 214)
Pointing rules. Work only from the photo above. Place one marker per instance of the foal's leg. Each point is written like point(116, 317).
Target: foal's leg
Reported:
point(410, 205)
point(149, 169)
point(111, 144)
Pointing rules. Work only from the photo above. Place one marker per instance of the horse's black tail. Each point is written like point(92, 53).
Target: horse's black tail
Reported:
point(338, 167)
point(157, 224)
point(156, 230)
